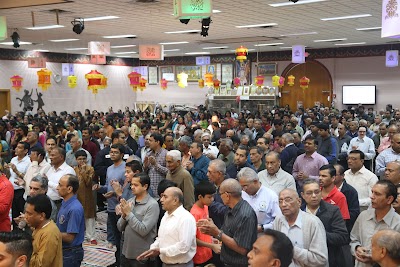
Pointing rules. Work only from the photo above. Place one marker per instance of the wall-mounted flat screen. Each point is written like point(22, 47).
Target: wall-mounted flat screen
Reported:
point(359, 94)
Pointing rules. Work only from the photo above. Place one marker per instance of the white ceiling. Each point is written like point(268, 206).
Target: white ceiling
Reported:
point(149, 21)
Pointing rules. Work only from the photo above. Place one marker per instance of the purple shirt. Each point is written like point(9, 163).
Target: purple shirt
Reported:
point(308, 165)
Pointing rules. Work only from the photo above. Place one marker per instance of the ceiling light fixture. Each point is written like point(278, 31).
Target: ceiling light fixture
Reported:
point(197, 53)
point(171, 43)
point(298, 34)
point(257, 25)
point(348, 44)
point(63, 40)
point(119, 36)
point(369, 29)
point(123, 53)
point(330, 40)
point(171, 50)
point(122, 46)
point(301, 2)
point(215, 47)
point(40, 50)
point(186, 31)
point(101, 18)
point(77, 48)
point(79, 25)
point(48, 27)
point(15, 38)
point(347, 17)
point(12, 43)
point(271, 44)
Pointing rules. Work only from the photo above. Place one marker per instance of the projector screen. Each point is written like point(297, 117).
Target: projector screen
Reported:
point(359, 94)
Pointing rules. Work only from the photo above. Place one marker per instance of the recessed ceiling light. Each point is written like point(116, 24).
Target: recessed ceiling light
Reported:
point(123, 53)
point(122, 46)
point(215, 47)
point(119, 36)
point(100, 18)
point(270, 44)
point(12, 43)
point(187, 31)
point(369, 29)
point(285, 47)
point(63, 40)
point(48, 27)
point(171, 43)
point(297, 34)
point(301, 2)
point(77, 48)
point(251, 49)
point(171, 50)
point(330, 40)
point(348, 17)
point(257, 25)
point(40, 50)
point(197, 53)
point(216, 11)
point(346, 44)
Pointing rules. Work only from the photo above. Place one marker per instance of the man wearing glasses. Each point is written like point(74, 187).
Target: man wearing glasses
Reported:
point(364, 144)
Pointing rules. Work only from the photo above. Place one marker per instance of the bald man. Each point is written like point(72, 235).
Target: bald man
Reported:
point(392, 172)
point(305, 230)
point(386, 248)
point(176, 241)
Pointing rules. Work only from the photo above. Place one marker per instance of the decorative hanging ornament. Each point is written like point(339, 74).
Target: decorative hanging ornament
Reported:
point(304, 82)
point(182, 79)
point(209, 79)
point(16, 82)
point(142, 84)
point(164, 83)
point(241, 53)
point(72, 81)
point(281, 82)
point(291, 79)
point(201, 83)
point(44, 79)
point(134, 80)
point(236, 81)
point(259, 81)
point(216, 83)
point(95, 81)
point(275, 80)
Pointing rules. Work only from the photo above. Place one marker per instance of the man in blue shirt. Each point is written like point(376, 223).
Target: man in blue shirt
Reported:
point(71, 221)
point(198, 164)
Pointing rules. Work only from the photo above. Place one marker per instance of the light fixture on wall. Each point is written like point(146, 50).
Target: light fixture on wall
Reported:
point(79, 25)
point(15, 39)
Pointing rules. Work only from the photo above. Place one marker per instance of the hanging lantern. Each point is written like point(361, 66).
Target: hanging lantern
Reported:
point(95, 81)
point(134, 80)
point(142, 84)
point(281, 82)
point(103, 82)
point(216, 83)
point(44, 79)
point(209, 79)
point(291, 79)
point(304, 82)
point(260, 80)
point(182, 79)
point(241, 53)
point(275, 80)
point(236, 81)
point(72, 81)
point(164, 83)
point(16, 82)
point(201, 83)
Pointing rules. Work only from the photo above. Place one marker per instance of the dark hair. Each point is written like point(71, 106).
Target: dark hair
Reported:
point(204, 188)
point(134, 165)
point(24, 128)
point(144, 179)
point(17, 243)
point(80, 153)
point(168, 135)
point(281, 247)
point(199, 145)
point(25, 144)
point(61, 151)
point(359, 152)
point(245, 148)
point(115, 134)
point(40, 151)
point(42, 204)
point(259, 150)
point(164, 184)
point(340, 169)
point(391, 189)
point(158, 138)
point(330, 168)
point(74, 182)
point(310, 137)
point(235, 139)
point(88, 129)
point(120, 147)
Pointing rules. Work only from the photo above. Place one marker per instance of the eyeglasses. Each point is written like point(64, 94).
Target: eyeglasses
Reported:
point(310, 193)
point(287, 200)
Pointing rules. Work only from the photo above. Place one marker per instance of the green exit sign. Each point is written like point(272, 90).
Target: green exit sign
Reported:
point(192, 9)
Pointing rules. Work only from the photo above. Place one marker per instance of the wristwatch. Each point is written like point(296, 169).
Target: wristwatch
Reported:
point(219, 236)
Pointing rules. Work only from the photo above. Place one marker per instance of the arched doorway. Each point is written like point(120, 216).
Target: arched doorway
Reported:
point(319, 90)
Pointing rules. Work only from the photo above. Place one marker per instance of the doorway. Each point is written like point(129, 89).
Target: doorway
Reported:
point(5, 101)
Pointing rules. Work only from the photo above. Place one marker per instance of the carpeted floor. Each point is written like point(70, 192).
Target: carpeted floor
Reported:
point(99, 255)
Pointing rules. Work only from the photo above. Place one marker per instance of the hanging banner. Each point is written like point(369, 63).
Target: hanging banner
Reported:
point(298, 54)
point(3, 28)
point(390, 19)
point(37, 62)
point(98, 59)
point(67, 69)
point(99, 48)
point(392, 58)
point(151, 52)
point(189, 9)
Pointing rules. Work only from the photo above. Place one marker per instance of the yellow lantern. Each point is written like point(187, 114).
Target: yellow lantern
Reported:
point(16, 82)
point(241, 53)
point(182, 79)
point(304, 82)
point(72, 81)
point(209, 79)
point(142, 84)
point(275, 80)
point(103, 82)
point(164, 83)
point(44, 79)
point(291, 79)
point(201, 83)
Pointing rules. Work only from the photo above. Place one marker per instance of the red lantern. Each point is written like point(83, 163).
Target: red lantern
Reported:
point(291, 79)
point(44, 79)
point(236, 81)
point(16, 82)
point(216, 84)
point(260, 80)
point(96, 81)
point(164, 83)
point(241, 53)
point(304, 82)
point(134, 80)
point(142, 84)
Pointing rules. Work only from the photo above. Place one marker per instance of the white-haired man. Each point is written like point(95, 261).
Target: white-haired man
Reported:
point(208, 150)
point(76, 144)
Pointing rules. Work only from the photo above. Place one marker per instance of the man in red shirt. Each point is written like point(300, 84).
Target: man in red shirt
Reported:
point(7, 195)
point(330, 193)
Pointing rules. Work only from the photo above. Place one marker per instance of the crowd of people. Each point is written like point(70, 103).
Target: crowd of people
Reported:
point(310, 187)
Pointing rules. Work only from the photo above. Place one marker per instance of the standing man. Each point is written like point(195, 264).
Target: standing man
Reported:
point(392, 172)
point(15, 248)
point(289, 153)
point(7, 196)
point(210, 151)
point(386, 248)
point(257, 158)
point(306, 231)
point(343, 141)
point(47, 241)
point(176, 240)
point(198, 164)
point(76, 144)
point(239, 231)
point(226, 151)
point(88, 144)
point(240, 161)
point(364, 144)
point(71, 221)
point(388, 155)
point(327, 144)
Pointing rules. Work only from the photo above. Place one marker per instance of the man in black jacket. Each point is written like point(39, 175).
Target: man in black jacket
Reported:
point(289, 153)
point(335, 227)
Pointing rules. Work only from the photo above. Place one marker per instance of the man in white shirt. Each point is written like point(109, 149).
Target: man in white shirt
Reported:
point(176, 241)
point(263, 200)
point(210, 151)
point(58, 169)
point(360, 178)
point(364, 144)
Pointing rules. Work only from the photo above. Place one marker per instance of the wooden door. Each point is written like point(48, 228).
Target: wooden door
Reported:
point(5, 101)
point(320, 87)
